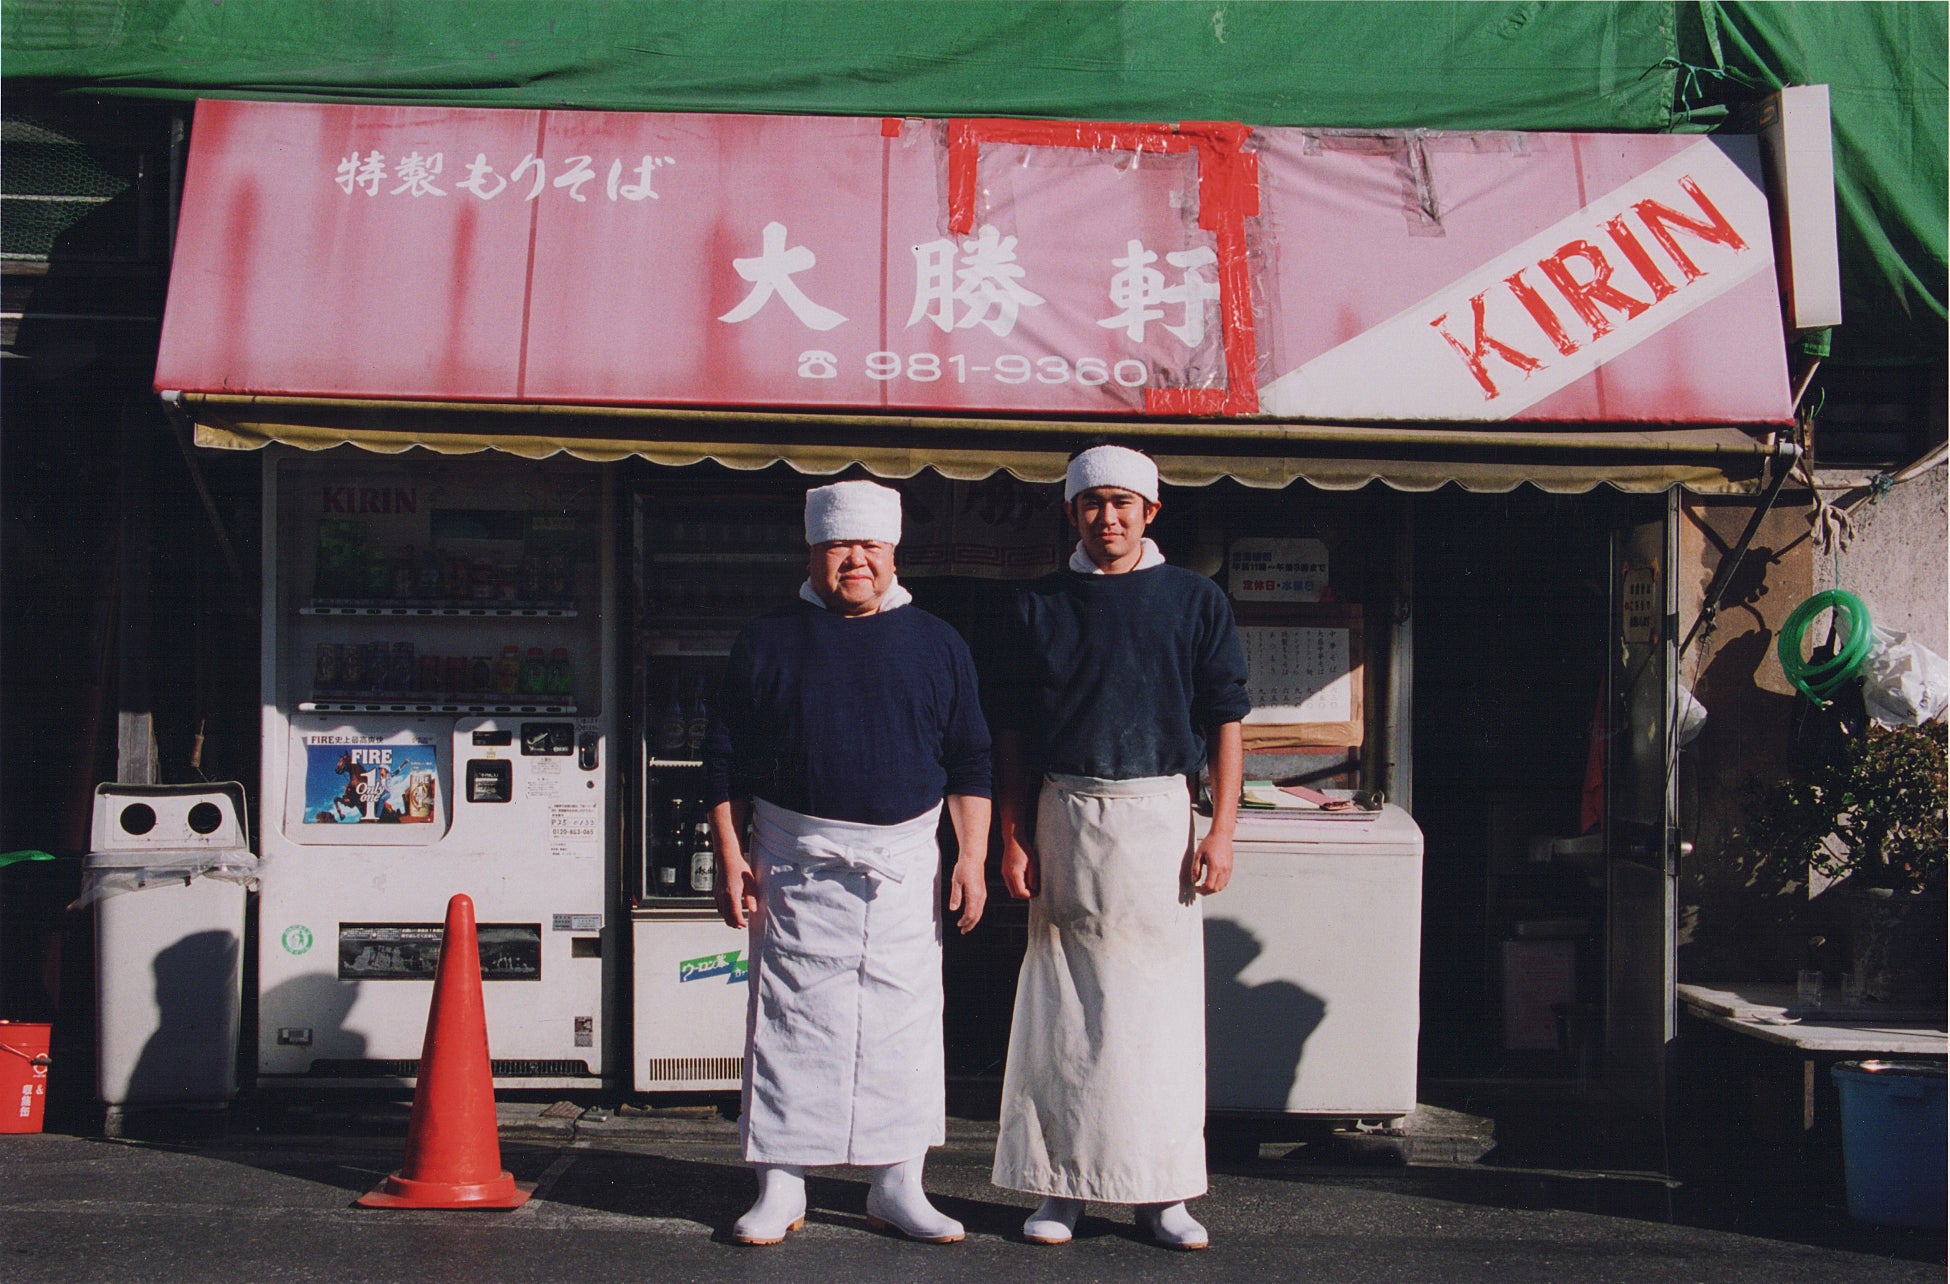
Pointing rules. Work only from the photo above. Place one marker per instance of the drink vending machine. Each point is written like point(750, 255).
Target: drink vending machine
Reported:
point(704, 566)
point(438, 711)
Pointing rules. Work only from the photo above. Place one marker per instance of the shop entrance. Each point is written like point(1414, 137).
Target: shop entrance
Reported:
point(1533, 929)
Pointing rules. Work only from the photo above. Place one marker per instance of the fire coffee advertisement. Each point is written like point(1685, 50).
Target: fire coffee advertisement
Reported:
point(370, 783)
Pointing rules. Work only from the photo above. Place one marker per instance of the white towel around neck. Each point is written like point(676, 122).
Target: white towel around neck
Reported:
point(1080, 561)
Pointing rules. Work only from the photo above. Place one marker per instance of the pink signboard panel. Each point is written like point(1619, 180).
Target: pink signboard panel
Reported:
point(1578, 278)
point(1006, 267)
point(331, 251)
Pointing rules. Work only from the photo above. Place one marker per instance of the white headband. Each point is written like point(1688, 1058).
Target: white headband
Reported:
point(1111, 466)
point(853, 510)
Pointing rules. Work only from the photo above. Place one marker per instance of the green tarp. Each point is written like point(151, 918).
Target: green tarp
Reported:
point(1440, 65)
point(1885, 68)
point(1434, 64)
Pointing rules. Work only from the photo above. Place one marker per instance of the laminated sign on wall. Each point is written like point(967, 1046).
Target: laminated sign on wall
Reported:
point(1306, 679)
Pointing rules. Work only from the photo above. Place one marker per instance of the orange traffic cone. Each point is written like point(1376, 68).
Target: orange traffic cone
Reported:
point(453, 1152)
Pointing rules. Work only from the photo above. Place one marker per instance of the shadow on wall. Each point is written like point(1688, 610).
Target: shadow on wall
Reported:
point(1255, 1034)
point(1738, 920)
point(319, 1002)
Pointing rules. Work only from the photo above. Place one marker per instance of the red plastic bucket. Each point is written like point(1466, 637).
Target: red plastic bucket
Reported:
point(23, 1074)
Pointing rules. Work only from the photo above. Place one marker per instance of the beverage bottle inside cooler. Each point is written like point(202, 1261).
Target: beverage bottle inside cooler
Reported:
point(671, 723)
point(561, 673)
point(699, 720)
point(704, 862)
point(670, 865)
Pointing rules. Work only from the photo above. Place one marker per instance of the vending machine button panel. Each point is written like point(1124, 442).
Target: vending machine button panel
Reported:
point(555, 739)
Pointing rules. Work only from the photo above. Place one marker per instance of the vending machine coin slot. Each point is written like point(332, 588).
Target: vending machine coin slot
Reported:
point(490, 780)
point(586, 756)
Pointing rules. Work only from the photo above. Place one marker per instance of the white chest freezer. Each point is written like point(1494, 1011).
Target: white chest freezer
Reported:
point(1312, 968)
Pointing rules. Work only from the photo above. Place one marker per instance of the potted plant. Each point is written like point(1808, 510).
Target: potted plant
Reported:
point(1869, 816)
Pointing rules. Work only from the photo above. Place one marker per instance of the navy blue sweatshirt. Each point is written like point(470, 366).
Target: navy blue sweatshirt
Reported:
point(1121, 676)
point(871, 720)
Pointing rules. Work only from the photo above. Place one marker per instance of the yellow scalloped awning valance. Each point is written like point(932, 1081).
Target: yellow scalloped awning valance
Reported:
point(1571, 459)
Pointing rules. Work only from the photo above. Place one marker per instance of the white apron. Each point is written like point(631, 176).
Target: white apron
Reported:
point(843, 1057)
point(1103, 1097)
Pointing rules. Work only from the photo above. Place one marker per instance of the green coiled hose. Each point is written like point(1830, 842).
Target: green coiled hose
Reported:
point(1820, 680)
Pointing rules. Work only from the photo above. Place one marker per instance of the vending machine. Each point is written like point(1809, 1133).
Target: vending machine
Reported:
point(439, 708)
point(706, 561)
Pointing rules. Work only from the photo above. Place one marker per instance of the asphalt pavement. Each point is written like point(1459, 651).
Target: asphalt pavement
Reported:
point(650, 1195)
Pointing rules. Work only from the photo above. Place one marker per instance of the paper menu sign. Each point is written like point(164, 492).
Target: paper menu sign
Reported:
point(1298, 674)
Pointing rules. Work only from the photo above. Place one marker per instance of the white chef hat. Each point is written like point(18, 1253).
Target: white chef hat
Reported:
point(852, 510)
point(1111, 466)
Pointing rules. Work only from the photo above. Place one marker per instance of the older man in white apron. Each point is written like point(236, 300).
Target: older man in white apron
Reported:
point(843, 723)
point(1128, 676)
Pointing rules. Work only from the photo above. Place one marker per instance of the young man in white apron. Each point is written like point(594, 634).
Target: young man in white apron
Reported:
point(1127, 677)
point(843, 723)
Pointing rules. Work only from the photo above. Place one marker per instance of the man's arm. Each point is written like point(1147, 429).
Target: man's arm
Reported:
point(1019, 868)
point(1211, 864)
point(968, 887)
point(737, 884)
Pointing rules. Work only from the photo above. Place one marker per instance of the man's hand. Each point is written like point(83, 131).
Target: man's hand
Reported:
point(737, 884)
point(1020, 873)
point(968, 892)
point(737, 890)
point(968, 886)
point(1210, 866)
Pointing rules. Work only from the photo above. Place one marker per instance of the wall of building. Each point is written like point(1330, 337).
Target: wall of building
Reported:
point(1895, 556)
point(1736, 921)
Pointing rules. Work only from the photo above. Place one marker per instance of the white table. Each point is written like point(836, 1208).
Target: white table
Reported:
point(1769, 1012)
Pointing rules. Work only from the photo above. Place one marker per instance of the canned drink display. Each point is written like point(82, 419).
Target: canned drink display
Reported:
point(351, 668)
point(325, 668)
point(399, 674)
point(375, 665)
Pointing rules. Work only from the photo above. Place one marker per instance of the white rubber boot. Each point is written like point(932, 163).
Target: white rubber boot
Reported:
point(1054, 1221)
point(781, 1206)
point(1172, 1225)
point(897, 1200)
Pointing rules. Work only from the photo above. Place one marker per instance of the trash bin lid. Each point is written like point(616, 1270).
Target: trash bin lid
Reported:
point(185, 860)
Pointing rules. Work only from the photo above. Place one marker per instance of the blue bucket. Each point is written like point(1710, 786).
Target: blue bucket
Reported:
point(1893, 1141)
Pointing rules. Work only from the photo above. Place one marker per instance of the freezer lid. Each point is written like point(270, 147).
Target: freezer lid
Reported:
point(1392, 832)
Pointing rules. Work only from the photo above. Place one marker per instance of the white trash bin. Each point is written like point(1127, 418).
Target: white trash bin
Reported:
point(169, 875)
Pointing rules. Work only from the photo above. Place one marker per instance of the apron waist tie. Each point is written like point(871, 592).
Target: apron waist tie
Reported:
point(811, 843)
